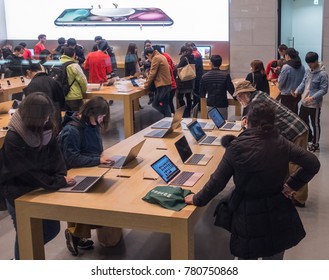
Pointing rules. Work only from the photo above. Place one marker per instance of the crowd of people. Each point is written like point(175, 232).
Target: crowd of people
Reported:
point(40, 147)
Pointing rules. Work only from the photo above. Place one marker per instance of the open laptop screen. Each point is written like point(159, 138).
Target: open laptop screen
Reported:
point(183, 149)
point(196, 130)
point(216, 117)
point(165, 168)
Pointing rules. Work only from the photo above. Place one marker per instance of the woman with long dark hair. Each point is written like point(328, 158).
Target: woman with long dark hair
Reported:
point(265, 222)
point(31, 158)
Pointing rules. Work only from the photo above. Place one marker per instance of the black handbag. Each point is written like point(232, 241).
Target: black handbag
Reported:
point(225, 209)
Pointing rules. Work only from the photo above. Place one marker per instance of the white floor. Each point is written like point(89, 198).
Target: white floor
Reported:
point(211, 242)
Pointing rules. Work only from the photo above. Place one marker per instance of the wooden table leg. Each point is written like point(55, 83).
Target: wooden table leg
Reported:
point(182, 241)
point(128, 119)
point(30, 235)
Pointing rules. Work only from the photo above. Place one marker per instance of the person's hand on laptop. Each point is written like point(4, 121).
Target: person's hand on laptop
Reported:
point(104, 159)
point(69, 181)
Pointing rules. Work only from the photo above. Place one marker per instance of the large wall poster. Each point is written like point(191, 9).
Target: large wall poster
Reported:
point(165, 20)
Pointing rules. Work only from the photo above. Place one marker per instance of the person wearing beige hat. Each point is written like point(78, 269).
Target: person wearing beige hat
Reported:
point(289, 124)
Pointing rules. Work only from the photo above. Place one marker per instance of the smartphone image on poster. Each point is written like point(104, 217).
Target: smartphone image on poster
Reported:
point(114, 17)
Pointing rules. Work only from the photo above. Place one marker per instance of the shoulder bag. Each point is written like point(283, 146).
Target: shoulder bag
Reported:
point(224, 211)
point(187, 72)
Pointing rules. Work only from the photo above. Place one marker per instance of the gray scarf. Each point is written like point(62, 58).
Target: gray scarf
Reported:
point(16, 124)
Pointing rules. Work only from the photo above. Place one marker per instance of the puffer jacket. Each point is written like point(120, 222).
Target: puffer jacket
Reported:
point(265, 222)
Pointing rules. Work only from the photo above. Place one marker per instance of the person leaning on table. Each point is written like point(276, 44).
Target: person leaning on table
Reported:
point(289, 124)
point(265, 222)
point(81, 143)
point(31, 159)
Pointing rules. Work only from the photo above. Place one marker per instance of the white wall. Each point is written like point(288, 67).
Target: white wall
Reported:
point(253, 34)
point(3, 33)
point(325, 49)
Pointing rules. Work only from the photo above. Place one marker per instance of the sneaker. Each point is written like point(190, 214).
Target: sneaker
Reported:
point(111, 102)
point(313, 147)
point(72, 242)
point(85, 244)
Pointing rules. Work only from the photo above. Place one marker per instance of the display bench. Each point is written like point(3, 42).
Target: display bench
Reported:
point(116, 200)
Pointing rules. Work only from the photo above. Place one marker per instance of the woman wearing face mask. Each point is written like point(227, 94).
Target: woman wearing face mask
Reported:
point(81, 143)
point(31, 158)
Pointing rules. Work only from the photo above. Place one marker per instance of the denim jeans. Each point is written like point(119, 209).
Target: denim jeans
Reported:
point(50, 228)
point(161, 100)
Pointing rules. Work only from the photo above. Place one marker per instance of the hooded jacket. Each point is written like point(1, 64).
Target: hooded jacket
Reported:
point(315, 84)
point(265, 222)
point(76, 77)
point(291, 76)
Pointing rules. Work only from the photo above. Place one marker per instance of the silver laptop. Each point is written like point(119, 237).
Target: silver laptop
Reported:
point(187, 156)
point(121, 161)
point(220, 122)
point(83, 183)
point(94, 87)
point(165, 124)
point(172, 175)
point(204, 125)
point(160, 133)
point(201, 137)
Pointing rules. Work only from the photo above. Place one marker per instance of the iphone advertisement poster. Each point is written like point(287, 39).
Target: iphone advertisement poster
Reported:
point(166, 20)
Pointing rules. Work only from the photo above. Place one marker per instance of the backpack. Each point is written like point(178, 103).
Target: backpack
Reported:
point(59, 74)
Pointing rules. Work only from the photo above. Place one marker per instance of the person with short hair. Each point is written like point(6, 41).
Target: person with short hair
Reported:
point(31, 158)
point(58, 51)
point(312, 89)
point(160, 75)
point(40, 45)
point(41, 82)
point(79, 50)
point(99, 64)
point(27, 53)
point(76, 79)
point(215, 84)
point(290, 77)
point(265, 222)
point(15, 61)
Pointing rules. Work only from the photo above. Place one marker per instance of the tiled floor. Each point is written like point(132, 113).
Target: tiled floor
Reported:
point(211, 242)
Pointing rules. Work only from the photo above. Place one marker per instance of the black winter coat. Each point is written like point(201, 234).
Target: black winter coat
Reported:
point(24, 169)
point(265, 221)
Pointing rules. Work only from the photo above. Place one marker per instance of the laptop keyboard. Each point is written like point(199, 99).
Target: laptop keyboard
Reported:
point(85, 183)
point(163, 124)
point(229, 125)
point(182, 178)
point(195, 158)
point(209, 139)
point(158, 133)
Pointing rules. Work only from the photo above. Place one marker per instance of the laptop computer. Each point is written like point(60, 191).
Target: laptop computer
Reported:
point(83, 183)
point(201, 137)
point(165, 124)
point(94, 87)
point(160, 133)
point(204, 125)
point(220, 122)
point(187, 156)
point(172, 175)
point(121, 161)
